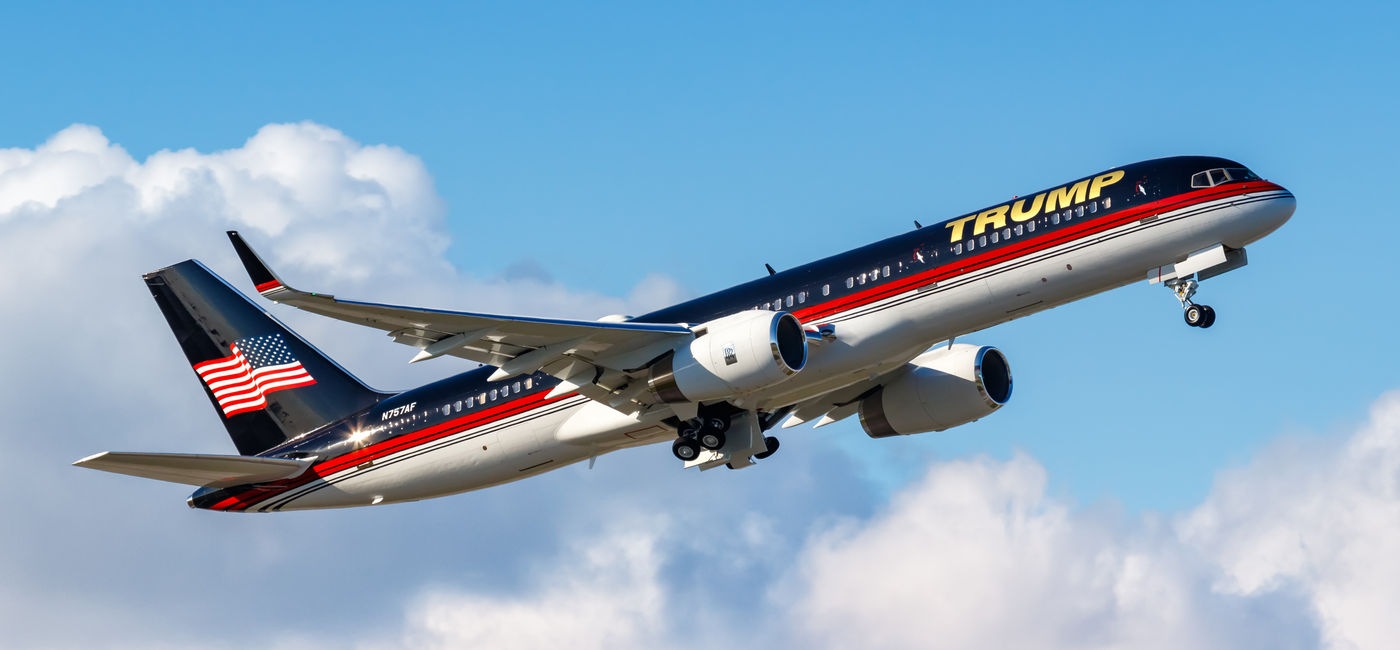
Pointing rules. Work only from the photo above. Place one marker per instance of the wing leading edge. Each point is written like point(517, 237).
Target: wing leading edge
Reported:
point(601, 360)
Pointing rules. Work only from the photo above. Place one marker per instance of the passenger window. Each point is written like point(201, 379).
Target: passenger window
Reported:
point(875, 274)
point(789, 300)
point(861, 278)
point(1217, 176)
point(801, 297)
point(957, 248)
point(982, 241)
point(887, 270)
point(529, 383)
point(1020, 229)
point(1107, 202)
point(1030, 226)
point(850, 282)
point(971, 245)
point(517, 388)
point(482, 398)
point(778, 305)
point(458, 406)
point(471, 402)
point(1093, 207)
point(493, 394)
point(1079, 211)
point(996, 236)
point(826, 289)
point(1055, 218)
point(1199, 179)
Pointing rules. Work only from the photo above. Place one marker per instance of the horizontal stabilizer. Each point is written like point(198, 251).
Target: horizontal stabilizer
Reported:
point(196, 469)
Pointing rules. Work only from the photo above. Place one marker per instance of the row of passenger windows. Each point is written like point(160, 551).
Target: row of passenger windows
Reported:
point(852, 282)
point(489, 396)
point(981, 241)
point(1052, 219)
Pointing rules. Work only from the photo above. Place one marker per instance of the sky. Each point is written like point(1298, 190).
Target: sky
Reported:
point(1149, 484)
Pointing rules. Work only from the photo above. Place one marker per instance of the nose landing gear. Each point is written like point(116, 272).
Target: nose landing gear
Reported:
point(1201, 316)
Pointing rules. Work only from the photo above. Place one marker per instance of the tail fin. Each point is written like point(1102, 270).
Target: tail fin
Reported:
point(267, 383)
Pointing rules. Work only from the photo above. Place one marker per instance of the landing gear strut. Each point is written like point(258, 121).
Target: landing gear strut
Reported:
point(1201, 316)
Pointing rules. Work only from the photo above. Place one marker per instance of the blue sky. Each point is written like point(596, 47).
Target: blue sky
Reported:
point(575, 151)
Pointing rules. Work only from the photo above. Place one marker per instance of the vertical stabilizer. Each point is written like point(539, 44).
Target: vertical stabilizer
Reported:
point(266, 383)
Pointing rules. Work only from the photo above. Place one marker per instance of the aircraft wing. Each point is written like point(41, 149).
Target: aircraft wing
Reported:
point(601, 360)
point(196, 469)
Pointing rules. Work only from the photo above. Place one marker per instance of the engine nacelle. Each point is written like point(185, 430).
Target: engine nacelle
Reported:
point(942, 388)
point(737, 354)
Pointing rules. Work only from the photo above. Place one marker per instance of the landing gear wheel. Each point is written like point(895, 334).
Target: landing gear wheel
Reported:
point(685, 449)
point(711, 439)
point(771, 445)
point(1209, 318)
point(719, 425)
point(1195, 315)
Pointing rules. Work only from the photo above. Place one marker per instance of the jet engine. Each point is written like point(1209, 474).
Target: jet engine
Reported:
point(939, 389)
point(739, 353)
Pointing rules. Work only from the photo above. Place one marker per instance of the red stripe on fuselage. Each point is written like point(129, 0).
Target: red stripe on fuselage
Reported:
point(247, 498)
point(1026, 247)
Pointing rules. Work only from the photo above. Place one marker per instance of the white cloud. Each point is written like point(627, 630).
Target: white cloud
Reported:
point(1320, 520)
point(1295, 550)
point(607, 595)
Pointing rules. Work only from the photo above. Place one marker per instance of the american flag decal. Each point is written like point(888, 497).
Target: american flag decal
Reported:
point(259, 365)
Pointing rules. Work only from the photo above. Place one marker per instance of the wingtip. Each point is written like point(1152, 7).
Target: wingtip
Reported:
point(264, 280)
point(82, 462)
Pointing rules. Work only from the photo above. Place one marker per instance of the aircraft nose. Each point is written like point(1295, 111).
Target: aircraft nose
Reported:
point(1280, 210)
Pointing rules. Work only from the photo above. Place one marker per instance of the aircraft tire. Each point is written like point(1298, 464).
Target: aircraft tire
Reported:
point(1209, 318)
point(771, 445)
point(711, 439)
point(1194, 315)
point(685, 449)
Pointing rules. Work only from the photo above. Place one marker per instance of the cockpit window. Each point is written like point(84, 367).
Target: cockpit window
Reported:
point(1241, 174)
point(1213, 177)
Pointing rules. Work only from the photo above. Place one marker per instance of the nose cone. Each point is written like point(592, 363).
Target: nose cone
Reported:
point(1277, 211)
point(1271, 209)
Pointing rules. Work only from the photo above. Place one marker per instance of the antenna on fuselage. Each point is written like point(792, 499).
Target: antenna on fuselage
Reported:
point(917, 225)
point(770, 268)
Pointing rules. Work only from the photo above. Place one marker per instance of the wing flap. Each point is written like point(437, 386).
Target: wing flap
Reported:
point(196, 469)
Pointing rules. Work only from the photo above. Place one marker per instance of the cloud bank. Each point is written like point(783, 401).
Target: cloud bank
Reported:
point(1294, 550)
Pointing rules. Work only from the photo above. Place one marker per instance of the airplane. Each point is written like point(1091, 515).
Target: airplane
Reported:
point(870, 332)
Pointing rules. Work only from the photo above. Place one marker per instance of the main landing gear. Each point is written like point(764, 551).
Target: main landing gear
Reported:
point(709, 433)
point(1201, 316)
point(706, 433)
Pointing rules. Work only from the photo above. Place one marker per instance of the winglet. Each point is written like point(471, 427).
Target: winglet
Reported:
point(263, 278)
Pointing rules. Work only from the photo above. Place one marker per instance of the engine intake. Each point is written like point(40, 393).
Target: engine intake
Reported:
point(733, 355)
point(940, 389)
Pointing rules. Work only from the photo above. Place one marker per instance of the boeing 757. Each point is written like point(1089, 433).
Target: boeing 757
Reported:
point(870, 333)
